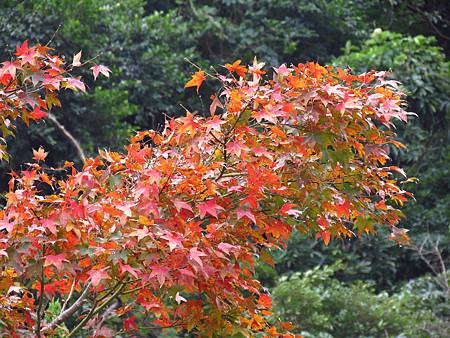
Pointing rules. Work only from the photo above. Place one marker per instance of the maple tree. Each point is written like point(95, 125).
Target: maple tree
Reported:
point(173, 226)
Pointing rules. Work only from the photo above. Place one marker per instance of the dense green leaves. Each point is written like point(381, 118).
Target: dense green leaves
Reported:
point(420, 64)
point(321, 306)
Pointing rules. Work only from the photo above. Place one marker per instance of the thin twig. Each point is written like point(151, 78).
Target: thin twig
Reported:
point(439, 271)
point(136, 288)
point(69, 296)
point(225, 141)
point(53, 36)
point(199, 68)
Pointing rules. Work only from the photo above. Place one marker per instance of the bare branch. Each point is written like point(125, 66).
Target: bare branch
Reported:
point(435, 261)
point(429, 21)
point(70, 311)
point(69, 136)
point(95, 310)
point(54, 35)
point(110, 311)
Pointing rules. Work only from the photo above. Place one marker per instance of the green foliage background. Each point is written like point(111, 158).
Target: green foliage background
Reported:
point(366, 287)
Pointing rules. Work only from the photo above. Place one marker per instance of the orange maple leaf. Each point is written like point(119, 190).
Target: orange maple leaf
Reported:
point(197, 80)
point(236, 68)
point(40, 154)
point(343, 209)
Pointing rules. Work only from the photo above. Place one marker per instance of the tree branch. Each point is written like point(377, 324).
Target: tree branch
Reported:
point(70, 311)
point(428, 20)
point(69, 136)
point(41, 299)
point(94, 311)
point(109, 311)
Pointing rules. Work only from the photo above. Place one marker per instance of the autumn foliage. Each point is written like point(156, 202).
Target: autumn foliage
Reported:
point(174, 224)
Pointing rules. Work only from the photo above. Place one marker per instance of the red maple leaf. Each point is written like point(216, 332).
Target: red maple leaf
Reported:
point(126, 268)
point(195, 255)
point(343, 209)
point(22, 49)
point(214, 104)
point(140, 233)
point(188, 124)
point(181, 205)
point(236, 148)
point(226, 247)
point(100, 69)
point(174, 240)
point(129, 324)
point(209, 207)
point(247, 213)
point(160, 272)
point(6, 225)
point(75, 83)
point(55, 260)
point(9, 68)
point(97, 276)
point(265, 301)
point(38, 114)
